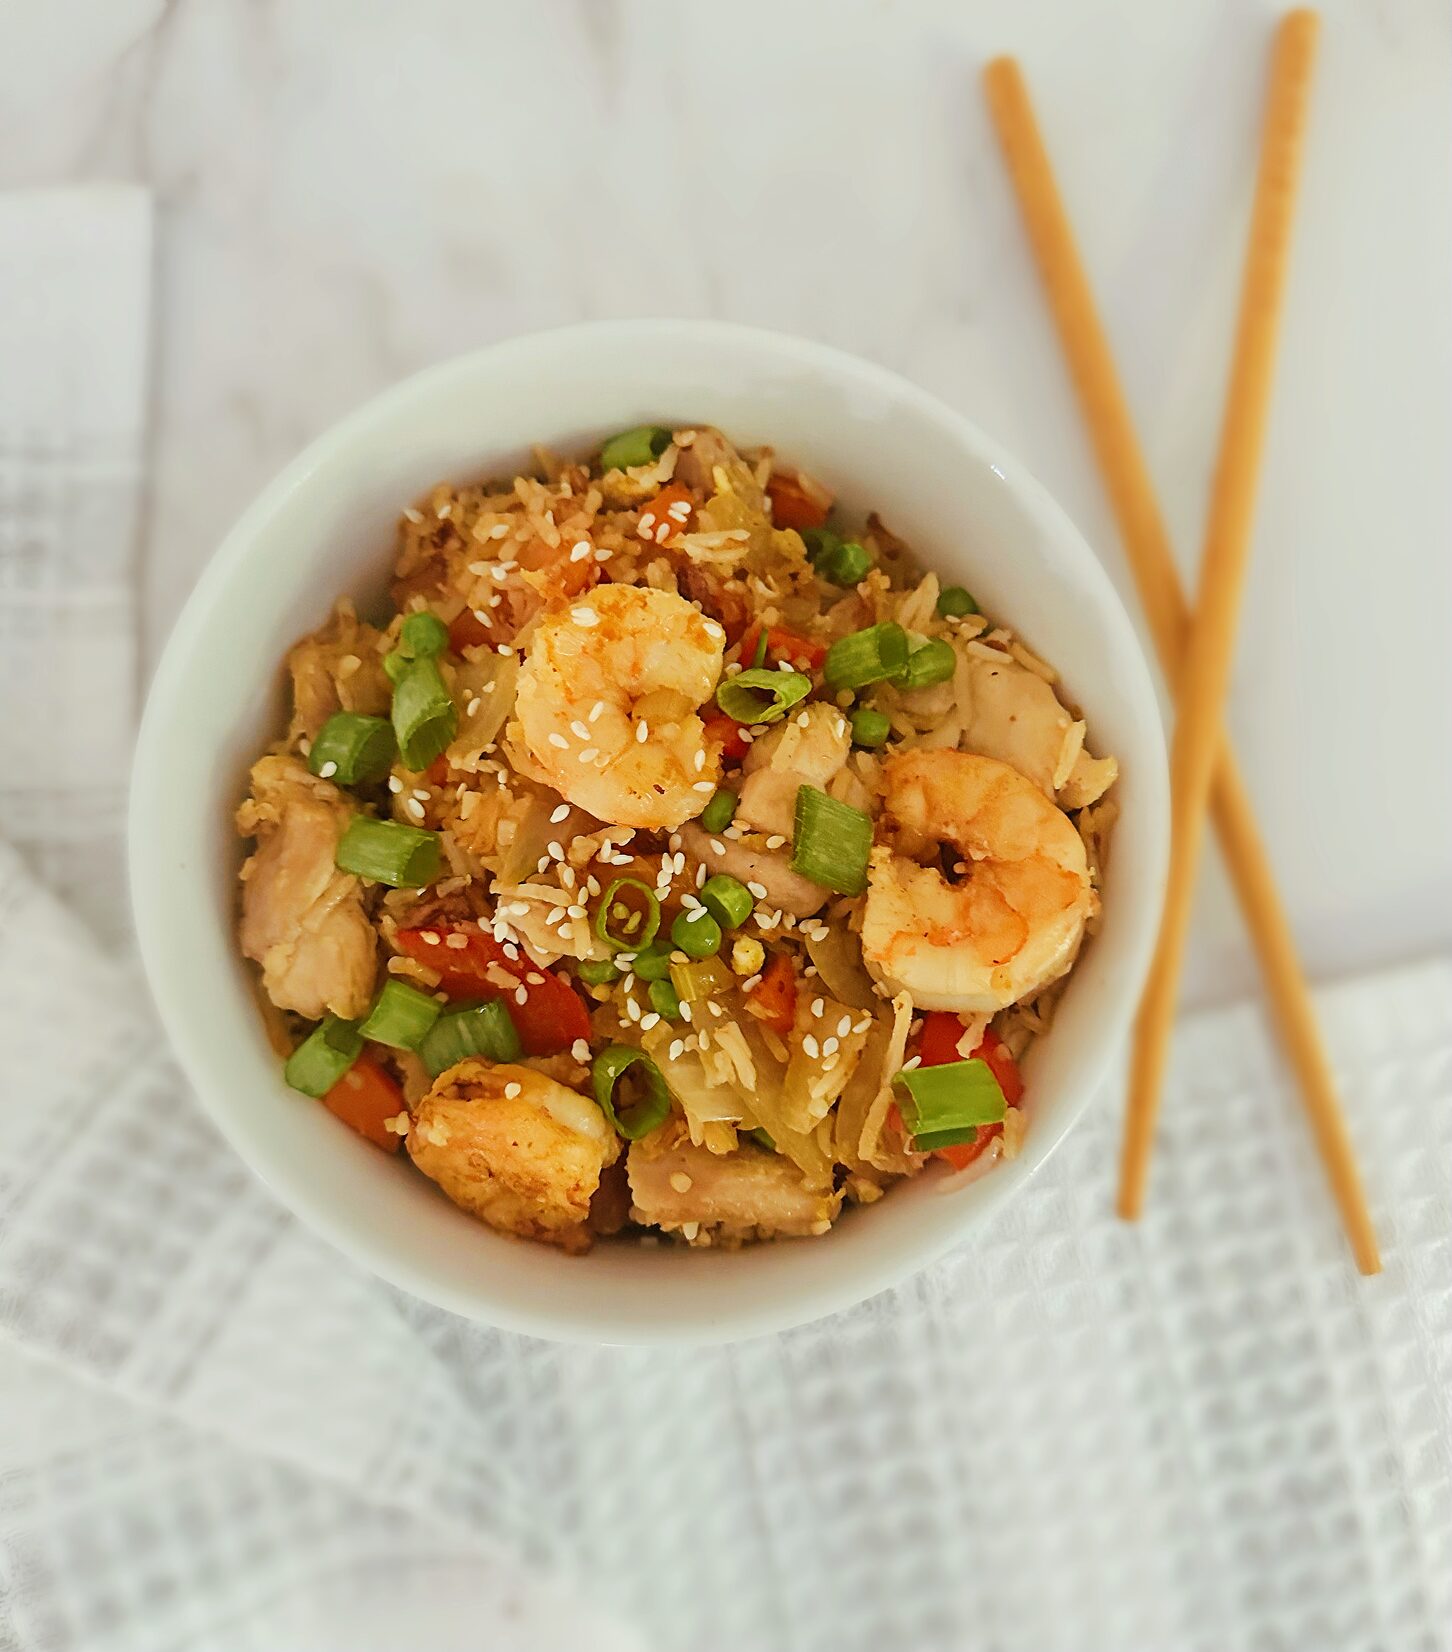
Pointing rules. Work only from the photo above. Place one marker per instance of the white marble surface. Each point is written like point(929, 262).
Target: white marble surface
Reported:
point(349, 191)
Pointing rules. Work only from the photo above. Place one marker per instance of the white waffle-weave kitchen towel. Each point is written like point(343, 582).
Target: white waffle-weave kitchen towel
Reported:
point(1204, 1432)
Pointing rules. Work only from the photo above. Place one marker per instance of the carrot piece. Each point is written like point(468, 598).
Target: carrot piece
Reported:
point(364, 1098)
point(781, 644)
point(775, 994)
point(796, 502)
point(663, 518)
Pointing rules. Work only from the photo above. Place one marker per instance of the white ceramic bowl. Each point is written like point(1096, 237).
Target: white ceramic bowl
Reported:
point(325, 527)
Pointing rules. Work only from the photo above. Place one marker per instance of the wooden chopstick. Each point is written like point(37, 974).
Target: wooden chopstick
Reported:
point(1141, 524)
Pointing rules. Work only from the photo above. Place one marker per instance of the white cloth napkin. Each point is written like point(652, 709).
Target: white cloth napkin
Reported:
point(1201, 1432)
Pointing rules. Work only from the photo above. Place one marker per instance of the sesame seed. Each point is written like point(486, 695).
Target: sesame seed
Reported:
point(395, 785)
point(559, 741)
point(910, 1063)
point(562, 813)
point(649, 1021)
point(327, 770)
point(681, 510)
point(421, 794)
point(717, 845)
point(415, 808)
point(499, 572)
point(775, 841)
point(554, 849)
point(687, 1014)
point(642, 732)
point(680, 1181)
point(662, 533)
point(700, 761)
point(580, 1049)
point(580, 550)
point(521, 995)
point(818, 1005)
point(512, 1089)
point(602, 555)
point(700, 877)
point(704, 786)
point(589, 754)
point(584, 616)
point(844, 1026)
point(431, 939)
point(472, 706)
point(758, 889)
point(578, 729)
point(829, 1046)
point(597, 711)
point(809, 1044)
point(506, 651)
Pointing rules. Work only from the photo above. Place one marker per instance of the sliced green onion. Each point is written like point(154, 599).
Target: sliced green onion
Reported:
point(954, 602)
point(352, 750)
point(716, 816)
point(762, 1139)
point(389, 852)
point(864, 657)
point(322, 1058)
point(423, 635)
point(640, 1117)
point(400, 1017)
point(933, 663)
point(727, 899)
point(599, 972)
point(703, 978)
point(396, 664)
point(760, 696)
point(870, 728)
point(758, 654)
point(663, 1000)
point(425, 718)
point(830, 842)
point(634, 447)
point(846, 563)
point(652, 963)
point(947, 1103)
point(697, 933)
point(628, 915)
point(476, 1030)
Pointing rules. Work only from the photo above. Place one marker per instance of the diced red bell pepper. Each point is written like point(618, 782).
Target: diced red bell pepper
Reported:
point(662, 519)
point(793, 505)
point(939, 1044)
point(781, 644)
point(775, 994)
point(726, 731)
point(364, 1098)
point(551, 1017)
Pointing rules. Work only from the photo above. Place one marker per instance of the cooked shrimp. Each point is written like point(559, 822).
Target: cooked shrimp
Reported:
point(607, 704)
point(1014, 921)
point(514, 1148)
point(302, 919)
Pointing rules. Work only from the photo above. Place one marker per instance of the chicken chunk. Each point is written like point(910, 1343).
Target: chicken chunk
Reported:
point(808, 749)
point(747, 1194)
point(526, 1162)
point(338, 668)
point(302, 919)
point(770, 869)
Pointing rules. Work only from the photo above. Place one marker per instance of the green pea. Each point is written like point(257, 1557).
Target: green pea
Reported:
point(697, 933)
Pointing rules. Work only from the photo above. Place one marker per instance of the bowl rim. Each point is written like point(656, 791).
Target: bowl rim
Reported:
point(147, 873)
